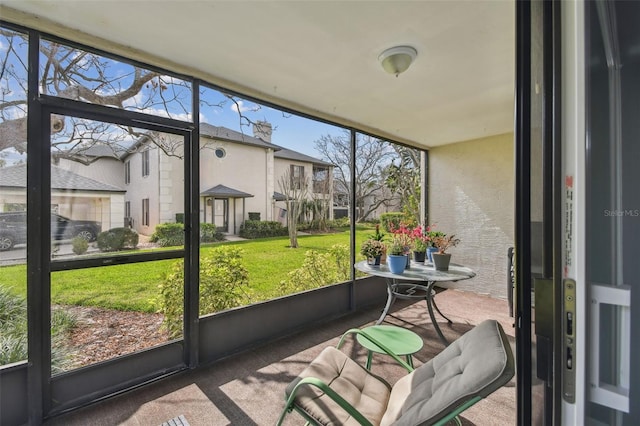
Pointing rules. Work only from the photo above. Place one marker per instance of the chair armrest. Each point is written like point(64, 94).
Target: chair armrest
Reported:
point(377, 343)
point(312, 381)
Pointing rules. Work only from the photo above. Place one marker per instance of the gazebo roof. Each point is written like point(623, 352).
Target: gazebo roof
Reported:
point(226, 192)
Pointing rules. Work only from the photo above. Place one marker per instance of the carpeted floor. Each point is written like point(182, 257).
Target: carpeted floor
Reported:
point(248, 389)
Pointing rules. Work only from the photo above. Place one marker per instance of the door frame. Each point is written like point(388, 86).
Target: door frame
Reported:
point(552, 183)
point(51, 395)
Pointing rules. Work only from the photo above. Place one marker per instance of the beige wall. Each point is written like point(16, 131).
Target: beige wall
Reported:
point(471, 194)
point(104, 170)
point(243, 168)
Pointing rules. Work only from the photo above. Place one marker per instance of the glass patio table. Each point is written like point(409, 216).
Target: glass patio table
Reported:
point(404, 286)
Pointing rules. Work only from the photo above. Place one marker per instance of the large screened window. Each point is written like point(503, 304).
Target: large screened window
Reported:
point(267, 204)
point(13, 200)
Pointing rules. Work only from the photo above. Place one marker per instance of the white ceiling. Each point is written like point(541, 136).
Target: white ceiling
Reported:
point(320, 57)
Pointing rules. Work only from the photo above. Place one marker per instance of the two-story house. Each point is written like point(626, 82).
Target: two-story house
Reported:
point(143, 185)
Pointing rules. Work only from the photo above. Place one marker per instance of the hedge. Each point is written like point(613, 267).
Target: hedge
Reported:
point(172, 234)
point(251, 229)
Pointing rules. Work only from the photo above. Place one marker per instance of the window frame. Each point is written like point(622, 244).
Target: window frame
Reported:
point(127, 172)
point(297, 176)
point(146, 166)
point(145, 212)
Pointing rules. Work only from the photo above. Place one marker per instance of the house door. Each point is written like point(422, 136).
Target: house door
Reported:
point(221, 213)
point(94, 297)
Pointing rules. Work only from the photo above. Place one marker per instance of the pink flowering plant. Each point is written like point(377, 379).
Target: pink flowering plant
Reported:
point(420, 238)
point(402, 237)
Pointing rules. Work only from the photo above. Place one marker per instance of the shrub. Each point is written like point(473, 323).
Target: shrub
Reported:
point(318, 270)
point(117, 239)
point(342, 222)
point(224, 282)
point(169, 234)
point(79, 245)
point(210, 233)
point(262, 229)
point(13, 331)
point(393, 220)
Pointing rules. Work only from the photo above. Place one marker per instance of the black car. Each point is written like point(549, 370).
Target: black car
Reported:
point(13, 229)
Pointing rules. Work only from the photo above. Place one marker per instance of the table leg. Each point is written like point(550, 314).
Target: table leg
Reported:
point(390, 299)
point(438, 310)
point(431, 314)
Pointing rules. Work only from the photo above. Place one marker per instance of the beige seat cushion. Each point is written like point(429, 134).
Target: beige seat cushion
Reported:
point(366, 392)
point(476, 364)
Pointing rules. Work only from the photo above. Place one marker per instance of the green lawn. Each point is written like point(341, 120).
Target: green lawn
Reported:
point(134, 286)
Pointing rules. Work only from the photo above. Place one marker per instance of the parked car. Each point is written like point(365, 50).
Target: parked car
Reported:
point(13, 229)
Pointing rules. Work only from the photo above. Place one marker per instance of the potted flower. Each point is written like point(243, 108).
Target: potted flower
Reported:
point(419, 244)
point(441, 258)
point(396, 257)
point(372, 250)
point(379, 236)
point(432, 245)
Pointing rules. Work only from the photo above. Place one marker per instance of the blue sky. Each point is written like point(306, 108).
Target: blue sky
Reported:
point(291, 131)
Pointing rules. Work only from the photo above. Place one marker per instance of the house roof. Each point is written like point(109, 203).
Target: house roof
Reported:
point(225, 191)
point(87, 154)
point(279, 197)
point(16, 177)
point(219, 132)
point(298, 156)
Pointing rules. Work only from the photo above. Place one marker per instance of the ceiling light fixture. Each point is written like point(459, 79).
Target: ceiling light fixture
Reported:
point(397, 60)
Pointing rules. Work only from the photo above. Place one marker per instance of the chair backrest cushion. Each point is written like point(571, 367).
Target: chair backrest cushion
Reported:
point(476, 364)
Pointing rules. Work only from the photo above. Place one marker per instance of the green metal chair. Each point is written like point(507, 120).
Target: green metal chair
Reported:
point(335, 390)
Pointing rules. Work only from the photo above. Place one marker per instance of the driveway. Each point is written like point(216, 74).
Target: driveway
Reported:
point(18, 254)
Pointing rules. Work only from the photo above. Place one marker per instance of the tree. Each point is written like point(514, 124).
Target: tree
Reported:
point(372, 158)
point(72, 73)
point(295, 189)
point(321, 195)
point(403, 179)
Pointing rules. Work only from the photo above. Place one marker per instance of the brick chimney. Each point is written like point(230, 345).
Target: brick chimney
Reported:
point(262, 130)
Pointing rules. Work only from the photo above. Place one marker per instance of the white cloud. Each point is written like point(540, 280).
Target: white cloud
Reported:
point(240, 105)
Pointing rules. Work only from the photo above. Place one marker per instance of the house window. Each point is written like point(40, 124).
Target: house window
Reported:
point(145, 212)
point(127, 214)
point(321, 180)
point(220, 152)
point(145, 163)
point(127, 173)
point(297, 176)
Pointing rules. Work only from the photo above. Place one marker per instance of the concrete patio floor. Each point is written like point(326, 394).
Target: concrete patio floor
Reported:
point(248, 388)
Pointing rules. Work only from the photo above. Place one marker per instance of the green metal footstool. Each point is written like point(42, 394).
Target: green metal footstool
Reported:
point(398, 340)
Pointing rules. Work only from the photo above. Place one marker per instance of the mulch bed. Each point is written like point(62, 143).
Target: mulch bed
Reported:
point(102, 334)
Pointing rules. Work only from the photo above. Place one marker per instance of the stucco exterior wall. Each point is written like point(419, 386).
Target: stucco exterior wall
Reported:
point(142, 187)
point(471, 195)
point(243, 168)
